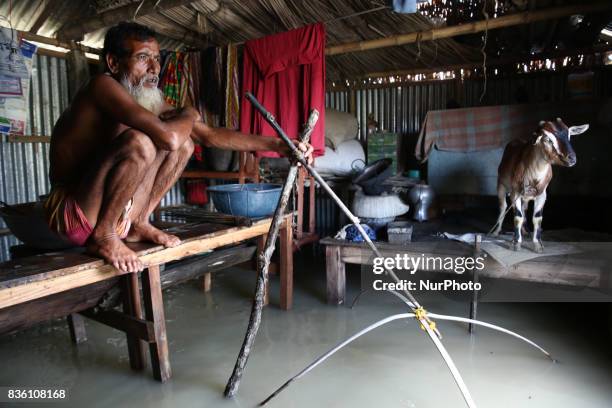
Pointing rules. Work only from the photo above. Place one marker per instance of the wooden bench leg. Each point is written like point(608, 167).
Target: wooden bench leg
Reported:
point(206, 282)
point(132, 306)
point(336, 275)
point(286, 265)
point(76, 325)
point(154, 310)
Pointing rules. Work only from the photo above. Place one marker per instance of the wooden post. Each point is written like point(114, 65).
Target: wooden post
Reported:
point(154, 309)
point(299, 232)
point(78, 71)
point(474, 302)
point(207, 282)
point(312, 228)
point(286, 265)
point(336, 275)
point(76, 324)
point(132, 306)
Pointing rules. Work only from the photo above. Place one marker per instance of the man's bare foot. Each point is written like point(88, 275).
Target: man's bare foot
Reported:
point(146, 232)
point(115, 253)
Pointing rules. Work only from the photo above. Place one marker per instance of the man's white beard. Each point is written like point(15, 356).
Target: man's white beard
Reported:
point(152, 99)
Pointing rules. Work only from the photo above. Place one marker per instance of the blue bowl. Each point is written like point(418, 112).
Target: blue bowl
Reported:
point(248, 200)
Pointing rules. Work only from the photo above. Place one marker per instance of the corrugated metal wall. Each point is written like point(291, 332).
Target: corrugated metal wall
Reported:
point(24, 167)
point(402, 108)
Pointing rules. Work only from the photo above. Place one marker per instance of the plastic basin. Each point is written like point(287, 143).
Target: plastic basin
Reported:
point(253, 200)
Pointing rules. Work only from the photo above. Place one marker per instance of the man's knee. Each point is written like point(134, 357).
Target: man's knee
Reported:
point(139, 146)
point(186, 150)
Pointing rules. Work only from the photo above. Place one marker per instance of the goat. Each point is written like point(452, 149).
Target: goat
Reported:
point(526, 170)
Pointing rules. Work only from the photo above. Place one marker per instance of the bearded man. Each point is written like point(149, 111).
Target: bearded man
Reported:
point(119, 148)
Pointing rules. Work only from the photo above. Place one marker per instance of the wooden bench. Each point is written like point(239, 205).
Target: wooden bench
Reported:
point(42, 287)
point(580, 270)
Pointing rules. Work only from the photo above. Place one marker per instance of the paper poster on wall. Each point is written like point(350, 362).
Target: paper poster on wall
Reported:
point(12, 61)
point(14, 95)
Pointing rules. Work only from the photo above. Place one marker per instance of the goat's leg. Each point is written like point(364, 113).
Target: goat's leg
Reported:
point(519, 217)
point(538, 208)
point(501, 195)
point(524, 230)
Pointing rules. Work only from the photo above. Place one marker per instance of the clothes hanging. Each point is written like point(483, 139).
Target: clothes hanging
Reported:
point(286, 73)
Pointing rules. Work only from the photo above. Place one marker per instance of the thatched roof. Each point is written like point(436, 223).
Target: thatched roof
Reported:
point(184, 23)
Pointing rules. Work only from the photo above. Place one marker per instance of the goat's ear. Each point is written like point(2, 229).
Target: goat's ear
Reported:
point(542, 123)
point(538, 140)
point(576, 130)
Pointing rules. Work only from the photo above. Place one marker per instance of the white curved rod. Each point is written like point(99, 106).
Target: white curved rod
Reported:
point(451, 365)
point(340, 345)
point(477, 322)
point(430, 332)
point(490, 326)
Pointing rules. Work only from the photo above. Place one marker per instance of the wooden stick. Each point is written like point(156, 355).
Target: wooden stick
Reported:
point(263, 263)
point(469, 28)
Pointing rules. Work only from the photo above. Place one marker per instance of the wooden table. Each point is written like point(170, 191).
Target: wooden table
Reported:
point(574, 269)
point(42, 287)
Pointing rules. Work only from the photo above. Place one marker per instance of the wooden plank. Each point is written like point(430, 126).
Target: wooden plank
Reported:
point(202, 265)
point(134, 327)
point(154, 310)
point(28, 139)
point(286, 265)
point(34, 277)
point(22, 316)
point(336, 275)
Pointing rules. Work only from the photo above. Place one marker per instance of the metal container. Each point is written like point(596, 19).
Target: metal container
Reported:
point(399, 232)
point(248, 200)
point(421, 197)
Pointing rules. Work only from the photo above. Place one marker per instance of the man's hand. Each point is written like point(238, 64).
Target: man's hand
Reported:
point(305, 148)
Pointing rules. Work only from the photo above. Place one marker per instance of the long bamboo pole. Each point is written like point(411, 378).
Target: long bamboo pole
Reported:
point(469, 28)
point(263, 263)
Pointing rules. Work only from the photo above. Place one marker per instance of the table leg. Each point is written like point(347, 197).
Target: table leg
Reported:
point(154, 309)
point(336, 275)
point(286, 265)
point(474, 301)
point(207, 282)
point(473, 304)
point(132, 306)
point(76, 324)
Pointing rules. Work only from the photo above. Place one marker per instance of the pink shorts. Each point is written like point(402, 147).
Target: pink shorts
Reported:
point(71, 222)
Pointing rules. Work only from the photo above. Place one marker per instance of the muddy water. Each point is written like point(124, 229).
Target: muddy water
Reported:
point(394, 366)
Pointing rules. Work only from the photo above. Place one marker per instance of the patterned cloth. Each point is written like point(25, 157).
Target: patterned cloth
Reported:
point(491, 127)
point(175, 79)
point(232, 89)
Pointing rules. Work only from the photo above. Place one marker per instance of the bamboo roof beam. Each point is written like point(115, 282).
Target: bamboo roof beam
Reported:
point(111, 17)
point(469, 28)
point(509, 60)
point(70, 45)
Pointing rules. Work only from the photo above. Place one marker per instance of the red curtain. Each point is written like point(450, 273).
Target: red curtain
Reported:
point(286, 73)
